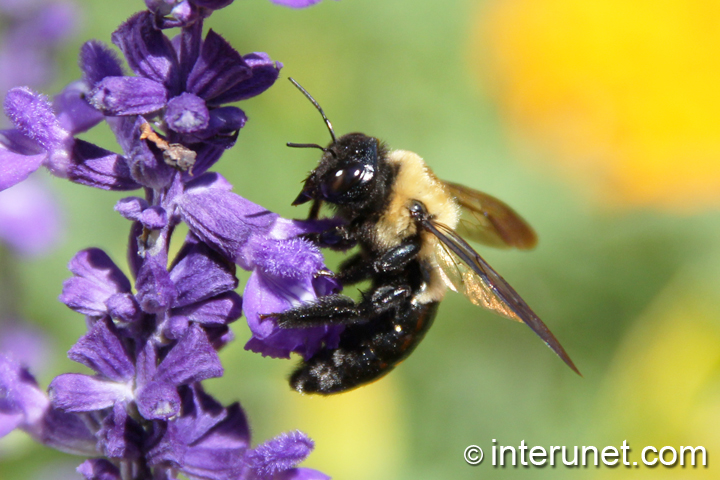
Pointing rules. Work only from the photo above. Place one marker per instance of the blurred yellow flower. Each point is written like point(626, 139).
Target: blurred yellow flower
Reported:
point(663, 387)
point(625, 93)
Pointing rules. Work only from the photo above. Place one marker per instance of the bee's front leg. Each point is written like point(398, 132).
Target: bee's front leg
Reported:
point(336, 238)
point(341, 310)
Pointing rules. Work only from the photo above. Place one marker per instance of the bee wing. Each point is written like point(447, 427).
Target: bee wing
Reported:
point(487, 220)
point(466, 272)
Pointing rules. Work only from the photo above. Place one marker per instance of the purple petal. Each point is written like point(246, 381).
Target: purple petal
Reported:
point(158, 401)
point(102, 350)
point(100, 168)
point(279, 454)
point(99, 469)
point(200, 274)
point(219, 310)
point(22, 403)
point(74, 113)
point(219, 68)
point(32, 114)
point(17, 142)
point(209, 180)
point(165, 446)
point(200, 413)
point(95, 279)
point(123, 307)
point(146, 365)
point(207, 155)
point(128, 96)
point(212, 4)
point(223, 126)
point(295, 258)
point(98, 61)
point(296, 3)
point(285, 229)
point(155, 290)
point(264, 73)
point(219, 455)
point(192, 359)
point(225, 120)
point(187, 113)
point(29, 218)
point(223, 219)
point(16, 167)
point(301, 474)
point(131, 207)
point(266, 295)
point(175, 327)
point(137, 209)
point(66, 432)
point(74, 392)
point(148, 52)
point(219, 336)
point(120, 436)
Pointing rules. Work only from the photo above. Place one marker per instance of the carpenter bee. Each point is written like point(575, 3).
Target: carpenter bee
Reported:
point(404, 220)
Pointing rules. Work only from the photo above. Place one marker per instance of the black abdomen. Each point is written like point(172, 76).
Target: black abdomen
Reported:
point(367, 351)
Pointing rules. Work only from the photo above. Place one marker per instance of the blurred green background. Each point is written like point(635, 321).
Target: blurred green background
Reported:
point(596, 120)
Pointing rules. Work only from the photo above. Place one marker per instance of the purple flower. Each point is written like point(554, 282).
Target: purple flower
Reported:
point(29, 218)
point(42, 136)
point(186, 81)
point(24, 405)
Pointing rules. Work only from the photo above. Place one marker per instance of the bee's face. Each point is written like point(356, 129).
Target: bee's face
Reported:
point(346, 173)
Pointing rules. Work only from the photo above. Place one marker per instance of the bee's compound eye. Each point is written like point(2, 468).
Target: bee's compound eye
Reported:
point(344, 180)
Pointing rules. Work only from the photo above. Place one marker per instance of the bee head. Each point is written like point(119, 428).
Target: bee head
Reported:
point(346, 172)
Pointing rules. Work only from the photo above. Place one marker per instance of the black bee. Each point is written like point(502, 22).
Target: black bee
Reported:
point(403, 218)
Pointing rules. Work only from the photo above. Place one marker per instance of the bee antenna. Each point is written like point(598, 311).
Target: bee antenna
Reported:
point(306, 145)
point(317, 105)
point(310, 145)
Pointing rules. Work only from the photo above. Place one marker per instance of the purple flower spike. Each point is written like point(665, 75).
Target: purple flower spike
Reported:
point(142, 412)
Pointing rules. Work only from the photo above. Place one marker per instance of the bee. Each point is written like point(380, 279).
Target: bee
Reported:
point(405, 222)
